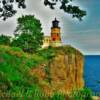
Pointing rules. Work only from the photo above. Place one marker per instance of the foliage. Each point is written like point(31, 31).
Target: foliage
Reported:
point(30, 37)
point(83, 94)
point(7, 8)
point(58, 96)
point(16, 49)
point(47, 71)
point(16, 80)
point(47, 53)
point(68, 49)
point(50, 53)
point(4, 40)
point(15, 77)
point(67, 8)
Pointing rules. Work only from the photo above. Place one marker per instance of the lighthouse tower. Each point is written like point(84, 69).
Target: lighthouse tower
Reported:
point(55, 34)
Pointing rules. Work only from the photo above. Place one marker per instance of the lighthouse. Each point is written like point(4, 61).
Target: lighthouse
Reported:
point(55, 34)
point(54, 39)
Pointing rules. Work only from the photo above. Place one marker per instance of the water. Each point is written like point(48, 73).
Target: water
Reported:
point(92, 73)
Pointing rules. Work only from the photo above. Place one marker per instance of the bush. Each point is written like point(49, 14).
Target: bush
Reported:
point(58, 96)
point(16, 49)
point(83, 94)
point(48, 53)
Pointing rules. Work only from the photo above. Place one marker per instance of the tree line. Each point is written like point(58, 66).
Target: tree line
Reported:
point(28, 34)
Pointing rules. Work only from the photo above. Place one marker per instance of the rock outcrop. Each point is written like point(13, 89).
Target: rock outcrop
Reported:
point(63, 72)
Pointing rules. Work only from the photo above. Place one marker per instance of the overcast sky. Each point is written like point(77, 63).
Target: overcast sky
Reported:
point(83, 35)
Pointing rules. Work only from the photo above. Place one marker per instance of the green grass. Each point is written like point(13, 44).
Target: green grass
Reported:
point(15, 79)
point(82, 94)
point(14, 72)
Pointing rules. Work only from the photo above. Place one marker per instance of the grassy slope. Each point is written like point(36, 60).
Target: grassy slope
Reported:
point(14, 71)
point(14, 63)
point(15, 66)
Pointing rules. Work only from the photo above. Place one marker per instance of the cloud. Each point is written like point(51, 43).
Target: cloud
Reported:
point(88, 41)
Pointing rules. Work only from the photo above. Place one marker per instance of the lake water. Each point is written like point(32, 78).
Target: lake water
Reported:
point(92, 72)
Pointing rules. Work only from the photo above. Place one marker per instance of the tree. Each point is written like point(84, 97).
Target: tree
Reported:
point(67, 8)
point(4, 40)
point(29, 36)
point(7, 7)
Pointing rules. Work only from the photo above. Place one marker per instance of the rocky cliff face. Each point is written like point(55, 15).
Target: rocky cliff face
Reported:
point(67, 72)
point(63, 72)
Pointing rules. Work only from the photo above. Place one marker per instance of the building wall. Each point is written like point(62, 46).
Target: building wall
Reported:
point(46, 41)
point(55, 34)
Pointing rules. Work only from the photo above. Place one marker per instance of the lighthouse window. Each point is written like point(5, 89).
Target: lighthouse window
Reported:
point(54, 39)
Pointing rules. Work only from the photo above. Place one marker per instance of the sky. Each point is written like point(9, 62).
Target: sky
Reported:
point(84, 35)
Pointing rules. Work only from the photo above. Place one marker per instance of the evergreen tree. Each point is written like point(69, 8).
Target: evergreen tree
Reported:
point(29, 37)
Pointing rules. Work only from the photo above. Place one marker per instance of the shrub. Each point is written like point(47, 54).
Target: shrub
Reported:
point(83, 94)
point(58, 96)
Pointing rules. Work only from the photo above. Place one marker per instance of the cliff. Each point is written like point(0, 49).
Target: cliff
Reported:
point(63, 71)
point(50, 70)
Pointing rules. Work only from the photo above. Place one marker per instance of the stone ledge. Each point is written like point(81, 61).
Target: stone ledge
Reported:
point(96, 98)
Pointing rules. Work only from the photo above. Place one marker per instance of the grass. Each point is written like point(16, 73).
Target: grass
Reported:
point(14, 71)
point(15, 78)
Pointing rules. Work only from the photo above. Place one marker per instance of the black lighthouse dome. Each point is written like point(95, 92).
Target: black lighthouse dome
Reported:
point(55, 23)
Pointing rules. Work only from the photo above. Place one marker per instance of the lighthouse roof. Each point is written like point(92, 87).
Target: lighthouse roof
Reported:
point(55, 23)
point(55, 20)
